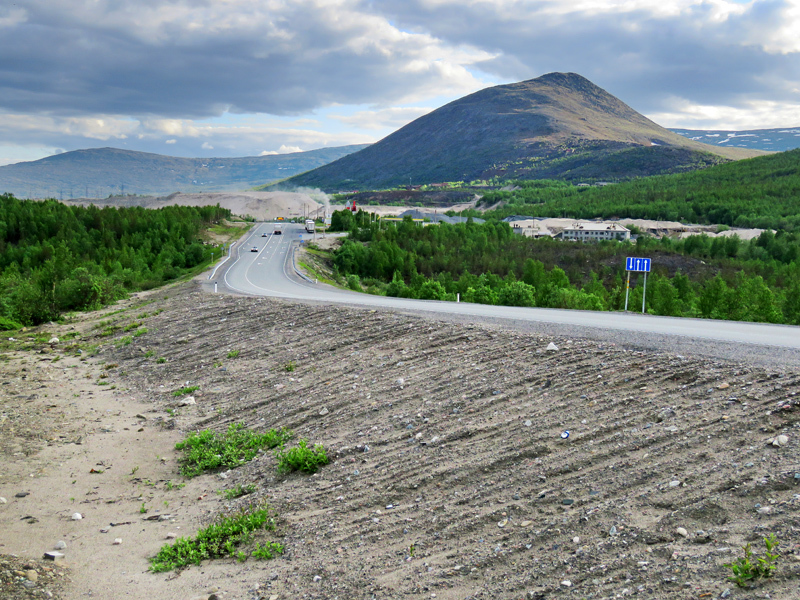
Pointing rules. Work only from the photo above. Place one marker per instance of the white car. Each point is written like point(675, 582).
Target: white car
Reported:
point(254, 249)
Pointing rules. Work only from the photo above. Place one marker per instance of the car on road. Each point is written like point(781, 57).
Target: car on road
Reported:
point(264, 234)
point(254, 249)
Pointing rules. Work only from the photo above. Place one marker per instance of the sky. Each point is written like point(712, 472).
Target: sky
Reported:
point(227, 78)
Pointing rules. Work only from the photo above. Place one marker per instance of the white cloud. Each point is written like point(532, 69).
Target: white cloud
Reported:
point(284, 149)
point(382, 119)
point(768, 115)
point(207, 146)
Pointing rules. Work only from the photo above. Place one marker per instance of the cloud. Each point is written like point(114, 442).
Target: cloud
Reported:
point(196, 59)
point(236, 76)
point(391, 118)
point(282, 150)
point(644, 51)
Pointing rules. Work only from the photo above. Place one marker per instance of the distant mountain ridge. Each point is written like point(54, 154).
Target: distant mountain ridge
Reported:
point(99, 172)
point(560, 125)
point(770, 140)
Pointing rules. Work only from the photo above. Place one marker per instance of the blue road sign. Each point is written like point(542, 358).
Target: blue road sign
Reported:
point(637, 264)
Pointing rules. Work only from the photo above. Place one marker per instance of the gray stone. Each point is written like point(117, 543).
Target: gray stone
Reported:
point(60, 545)
point(323, 412)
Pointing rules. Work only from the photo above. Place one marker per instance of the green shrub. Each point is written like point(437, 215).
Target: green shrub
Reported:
point(746, 568)
point(207, 451)
point(233, 354)
point(222, 538)
point(302, 458)
point(9, 325)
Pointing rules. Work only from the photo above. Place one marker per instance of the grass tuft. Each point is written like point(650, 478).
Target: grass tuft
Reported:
point(208, 451)
point(302, 458)
point(222, 538)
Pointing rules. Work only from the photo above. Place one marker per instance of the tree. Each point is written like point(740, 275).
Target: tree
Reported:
point(517, 293)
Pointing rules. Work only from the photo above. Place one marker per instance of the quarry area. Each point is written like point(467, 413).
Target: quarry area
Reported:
point(468, 461)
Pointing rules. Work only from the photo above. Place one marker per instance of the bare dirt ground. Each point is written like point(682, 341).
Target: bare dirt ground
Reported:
point(450, 476)
point(259, 205)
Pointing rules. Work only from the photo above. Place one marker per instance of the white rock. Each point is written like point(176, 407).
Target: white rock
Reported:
point(77, 516)
point(682, 532)
point(400, 381)
point(60, 545)
point(188, 401)
point(576, 540)
point(503, 523)
point(674, 483)
point(528, 423)
point(323, 412)
point(781, 440)
point(3, 500)
point(552, 347)
point(764, 510)
point(53, 340)
point(566, 583)
point(117, 541)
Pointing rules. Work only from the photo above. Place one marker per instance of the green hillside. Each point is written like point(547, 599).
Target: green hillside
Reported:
point(761, 192)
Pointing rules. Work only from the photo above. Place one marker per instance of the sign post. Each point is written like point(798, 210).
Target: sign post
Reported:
point(637, 265)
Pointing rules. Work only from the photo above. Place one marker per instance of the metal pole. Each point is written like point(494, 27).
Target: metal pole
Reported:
point(627, 289)
point(215, 287)
point(644, 291)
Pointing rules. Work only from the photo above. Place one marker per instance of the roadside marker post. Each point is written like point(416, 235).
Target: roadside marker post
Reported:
point(637, 265)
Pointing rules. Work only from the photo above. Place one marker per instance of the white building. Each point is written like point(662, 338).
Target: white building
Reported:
point(595, 231)
point(530, 228)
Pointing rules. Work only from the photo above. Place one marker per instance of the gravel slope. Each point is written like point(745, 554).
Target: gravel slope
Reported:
point(447, 437)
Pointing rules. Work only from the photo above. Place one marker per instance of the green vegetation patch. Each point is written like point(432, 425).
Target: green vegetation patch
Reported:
point(208, 451)
point(225, 537)
point(301, 458)
point(56, 258)
point(238, 491)
point(749, 567)
point(186, 390)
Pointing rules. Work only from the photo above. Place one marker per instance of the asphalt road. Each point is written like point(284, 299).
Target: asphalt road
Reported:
point(269, 272)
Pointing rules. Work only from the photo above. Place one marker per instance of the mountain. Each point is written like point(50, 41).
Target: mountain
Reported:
point(98, 172)
point(560, 125)
point(771, 140)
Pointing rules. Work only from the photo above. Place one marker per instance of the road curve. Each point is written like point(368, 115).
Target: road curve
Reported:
point(269, 271)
